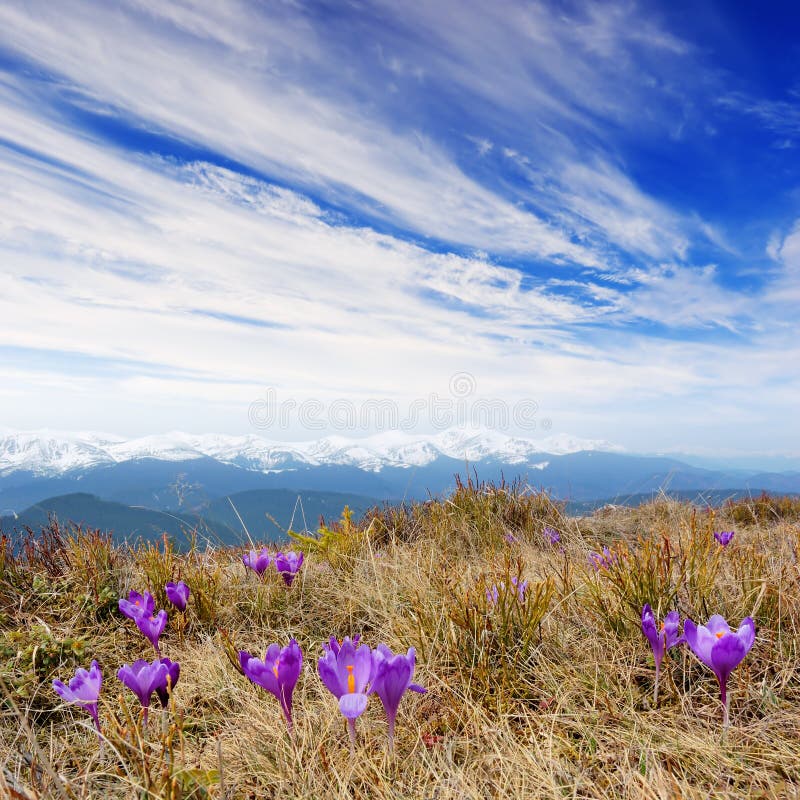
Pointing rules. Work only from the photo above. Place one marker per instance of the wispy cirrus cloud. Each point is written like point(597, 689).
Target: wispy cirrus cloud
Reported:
point(781, 116)
point(280, 127)
point(234, 196)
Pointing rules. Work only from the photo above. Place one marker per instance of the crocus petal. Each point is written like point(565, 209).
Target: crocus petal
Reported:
point(352, 704)
point(329, 673)
point(244, 657)
point(690, 636)
point(362, 667)
point(747, 633)
point(705, 644)
point(392, 681)
point(344, 658)
point(170, 679)
point(63, 691)
point(726, 654)
point(651, 632)
point(700, 639)
point(347, 650)
point(272, 654)
point(380, 654)
point(671, 629)
point(259, 673)
point(290, 664)
point(415, 687)
point(331, 644)
point(717, 624)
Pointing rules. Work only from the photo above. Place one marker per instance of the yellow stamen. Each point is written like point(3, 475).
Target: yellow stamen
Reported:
point(351, 679)
point(275, 667)
point(720, 634)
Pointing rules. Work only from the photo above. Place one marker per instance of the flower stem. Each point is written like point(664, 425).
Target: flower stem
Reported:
point(96, 720)
point(655, 690)
point(351, 729)
point(290, 730)
point(726, 705)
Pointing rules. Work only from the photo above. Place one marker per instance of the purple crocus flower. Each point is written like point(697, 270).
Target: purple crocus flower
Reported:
point(144, 678)
point(606, 559)
point(288, 565)
point(152, 627)
point(277, 673)
point(178, 594)
point(258, 562)
point(724, 537)
point(335, 644)
point(83, 690)
point(173, 673)
point(137, 604)
point(551, 535)
point(493, 594)
point(721, 649)
point(660, 639)
point(346, 671)
point(392, 676)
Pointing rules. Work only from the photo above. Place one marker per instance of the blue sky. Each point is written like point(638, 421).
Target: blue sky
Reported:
point(596, 206)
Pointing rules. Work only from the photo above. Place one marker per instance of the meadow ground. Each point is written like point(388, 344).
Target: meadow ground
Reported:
point(548, 697)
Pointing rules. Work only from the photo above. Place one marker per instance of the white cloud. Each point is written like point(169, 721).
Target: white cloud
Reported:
point(276, 126)
point(781, 116)
point(186, 288)
point(687, 298)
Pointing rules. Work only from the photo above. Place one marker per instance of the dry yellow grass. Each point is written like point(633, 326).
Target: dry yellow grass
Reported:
point(554, 704)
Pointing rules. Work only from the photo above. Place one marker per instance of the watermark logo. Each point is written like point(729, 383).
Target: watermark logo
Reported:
point(461, 407)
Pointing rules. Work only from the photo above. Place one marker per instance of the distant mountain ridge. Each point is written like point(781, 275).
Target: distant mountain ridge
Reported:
point(261, 515)
point(48, 454)
point(186, 473)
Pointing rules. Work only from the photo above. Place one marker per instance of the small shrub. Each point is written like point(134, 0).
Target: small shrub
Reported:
point(763, 509)
point(494, 629)
point(29, 656)
point(153, 758)
point(667, 573)
point(158, 566)
point(94, 571)
point(338, 543)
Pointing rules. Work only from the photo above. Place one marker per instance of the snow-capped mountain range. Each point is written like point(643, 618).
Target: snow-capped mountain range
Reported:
point(47, 453)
